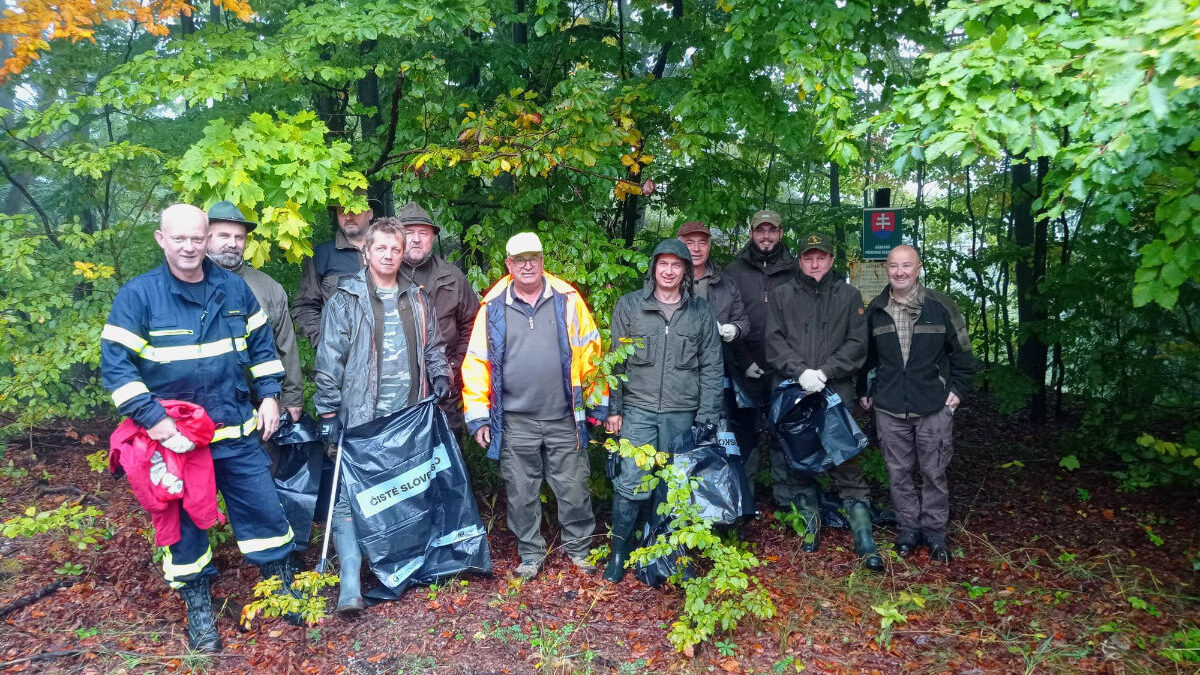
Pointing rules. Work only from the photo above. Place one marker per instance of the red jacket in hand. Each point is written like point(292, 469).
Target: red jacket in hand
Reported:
point(160, 478)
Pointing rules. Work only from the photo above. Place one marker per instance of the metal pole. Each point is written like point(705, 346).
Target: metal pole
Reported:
point(337, 471)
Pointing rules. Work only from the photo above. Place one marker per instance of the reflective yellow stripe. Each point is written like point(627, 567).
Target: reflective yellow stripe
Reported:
point(256, 545)
point(583, 340)
point(171, 571)
point(203, 350)
point(123, 336)
point(257, 321)
point(227, 433)
point(128, 391)
point(268, 368)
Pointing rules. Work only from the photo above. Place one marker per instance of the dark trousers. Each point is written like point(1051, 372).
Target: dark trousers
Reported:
point(922, 443)
point(259, 525)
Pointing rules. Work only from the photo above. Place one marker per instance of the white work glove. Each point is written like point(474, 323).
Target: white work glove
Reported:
point(728, 331)
point(178, 444)
point(812, 380)
point(754, 372)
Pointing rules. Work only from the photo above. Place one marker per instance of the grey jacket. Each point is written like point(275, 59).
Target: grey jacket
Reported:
point(347, 364)
point(273, 299)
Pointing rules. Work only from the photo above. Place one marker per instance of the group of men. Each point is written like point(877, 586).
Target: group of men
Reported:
point(393, 323)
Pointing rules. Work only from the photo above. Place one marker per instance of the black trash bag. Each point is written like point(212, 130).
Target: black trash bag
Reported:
point(298, 474)
point(841, 436)
point(721, 493)
point(413, 507)
point(815, 431)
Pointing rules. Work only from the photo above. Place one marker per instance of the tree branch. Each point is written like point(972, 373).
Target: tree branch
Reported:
point(397, 94)
point(36, 207)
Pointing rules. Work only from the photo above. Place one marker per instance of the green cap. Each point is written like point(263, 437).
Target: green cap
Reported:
point(226, 212)
point(818, 241)
point(765, 216)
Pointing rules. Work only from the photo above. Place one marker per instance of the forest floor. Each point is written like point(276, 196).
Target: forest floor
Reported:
point(1053, 571)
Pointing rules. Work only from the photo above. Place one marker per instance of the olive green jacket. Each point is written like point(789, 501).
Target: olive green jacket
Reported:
point(678, 366)
point(274, 301)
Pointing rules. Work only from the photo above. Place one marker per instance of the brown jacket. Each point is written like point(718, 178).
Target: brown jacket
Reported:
point(454, 302)
point(273, 299)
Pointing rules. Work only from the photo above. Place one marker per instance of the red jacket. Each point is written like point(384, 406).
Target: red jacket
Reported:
point(160, 478)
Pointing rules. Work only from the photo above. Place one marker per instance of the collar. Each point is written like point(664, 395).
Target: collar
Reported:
point(340, 240)
point(914, 300)
point(509, 296)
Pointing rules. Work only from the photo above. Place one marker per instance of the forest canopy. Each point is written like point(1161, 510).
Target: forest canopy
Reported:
point(1047, 156)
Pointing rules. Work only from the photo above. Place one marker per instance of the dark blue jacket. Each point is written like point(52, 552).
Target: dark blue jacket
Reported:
point(159, 344)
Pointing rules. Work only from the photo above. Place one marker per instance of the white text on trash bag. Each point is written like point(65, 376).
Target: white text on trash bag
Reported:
point(413, 482)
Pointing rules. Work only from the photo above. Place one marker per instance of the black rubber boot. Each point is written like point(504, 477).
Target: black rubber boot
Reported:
point(808, 503)
point(624, 522)
point(202, 622)
point(907, 543)
point(345, 541)
point(858, 513)
point(283, 569)
point(938, 551)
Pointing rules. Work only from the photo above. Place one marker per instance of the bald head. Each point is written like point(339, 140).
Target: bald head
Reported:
point(903, 269)
point(181, 214)
point(182, 235)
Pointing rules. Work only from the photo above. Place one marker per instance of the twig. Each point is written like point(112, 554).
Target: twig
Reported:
point(33, 597)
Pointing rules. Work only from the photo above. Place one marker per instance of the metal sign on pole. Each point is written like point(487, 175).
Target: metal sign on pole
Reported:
point(882, 231)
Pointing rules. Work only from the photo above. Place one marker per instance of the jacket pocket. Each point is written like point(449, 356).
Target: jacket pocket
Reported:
point(689, 353)
point(643, 355)
point(235, 322)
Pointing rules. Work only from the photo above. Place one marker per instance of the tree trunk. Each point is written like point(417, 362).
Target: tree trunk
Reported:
point(835, 205)
point(367, 89)
point(1030, 268)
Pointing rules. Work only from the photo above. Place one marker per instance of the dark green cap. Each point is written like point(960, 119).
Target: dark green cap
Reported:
point(816, 240)
point(226, 212)
point(412, 214)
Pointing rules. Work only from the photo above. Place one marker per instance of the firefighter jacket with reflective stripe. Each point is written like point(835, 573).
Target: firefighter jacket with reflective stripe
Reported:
point(483, 367)
point(160, 478)
point(167, 339)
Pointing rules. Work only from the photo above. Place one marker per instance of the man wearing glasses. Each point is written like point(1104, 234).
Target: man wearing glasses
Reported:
point(762, 266)
point(531, 349)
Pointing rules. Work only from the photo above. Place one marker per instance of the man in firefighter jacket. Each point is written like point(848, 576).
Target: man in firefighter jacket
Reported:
point(189, 330)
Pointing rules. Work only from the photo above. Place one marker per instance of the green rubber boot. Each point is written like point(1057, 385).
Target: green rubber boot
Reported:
point(808, 503)
point(858, 513)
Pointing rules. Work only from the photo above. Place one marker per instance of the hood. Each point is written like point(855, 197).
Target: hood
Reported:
point(676, 248)
point(779, 259)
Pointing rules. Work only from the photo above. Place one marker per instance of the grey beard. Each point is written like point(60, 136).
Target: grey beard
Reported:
point(230, 261)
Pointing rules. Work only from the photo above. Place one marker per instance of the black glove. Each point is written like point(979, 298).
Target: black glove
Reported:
point(704, 432)
point(330, 430)
point(612, 465)
point(441, 388)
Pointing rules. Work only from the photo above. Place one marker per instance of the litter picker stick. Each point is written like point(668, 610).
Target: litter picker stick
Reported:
point(337, 471)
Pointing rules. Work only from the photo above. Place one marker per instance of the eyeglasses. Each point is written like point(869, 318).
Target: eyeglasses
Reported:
point(768, 229)
point(530, 261)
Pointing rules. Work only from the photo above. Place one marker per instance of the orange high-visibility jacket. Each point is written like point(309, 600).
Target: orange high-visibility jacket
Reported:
point(483, 366)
